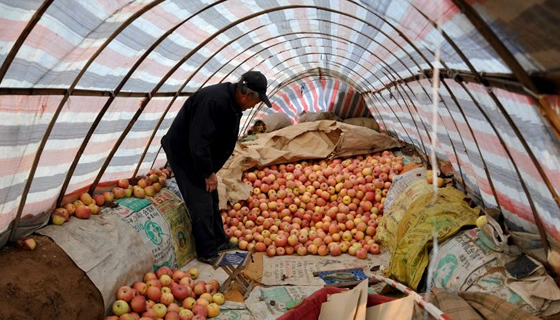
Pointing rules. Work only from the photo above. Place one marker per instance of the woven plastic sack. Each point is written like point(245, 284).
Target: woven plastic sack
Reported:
point(443, 214)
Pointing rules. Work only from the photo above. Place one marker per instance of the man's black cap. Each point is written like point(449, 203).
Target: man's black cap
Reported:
point(256, 81)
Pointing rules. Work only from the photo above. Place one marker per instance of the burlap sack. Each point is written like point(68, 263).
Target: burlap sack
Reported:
point(363, 122)
point(316, 116)
point(275, 121)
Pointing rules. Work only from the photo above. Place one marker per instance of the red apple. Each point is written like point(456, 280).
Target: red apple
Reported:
point(149, 276)
point(189, 303)
point(271, 251)
point(173, 307)
point(211, 290)
point(150, 191)
point(361, 253)
point(153, 293)
point(200, 309)
point(200, 288)
point(186, 314)
point(375, 248)
point(109, 196)
point(128, 316)
point(166, 298)
point(214, 283)
point(150, 313)
point(164, 270)
point(142, 183)
point(293, 240)
point(99, 199)
point(281, 240)
point(138, 304)
point(157, 186)
point(86, 198)
point(335, 250)
point(78, 203)
point(63, 212)
point(154, 283)
point(139, 192)
point(71, 208)
point(172, 315)
point(141, 287)
point(125, 293)
point(178, 275)
point(27, 244)
point(154, 177)
point(83, 212)
point(187, 282)
point(180, 292)
point(57, 219)
point(123, 183)
point(118, 192)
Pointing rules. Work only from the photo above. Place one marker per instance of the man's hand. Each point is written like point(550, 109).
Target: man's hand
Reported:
point(212, 183)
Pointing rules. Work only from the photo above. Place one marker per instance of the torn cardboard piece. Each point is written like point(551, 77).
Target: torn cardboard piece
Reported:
point(347, 305)
point(400, 309)
point(351, 305)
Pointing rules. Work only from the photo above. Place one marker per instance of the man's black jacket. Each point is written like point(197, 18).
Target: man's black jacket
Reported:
point(203, 135)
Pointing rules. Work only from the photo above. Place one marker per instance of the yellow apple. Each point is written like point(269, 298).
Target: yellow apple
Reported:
point(482, 220)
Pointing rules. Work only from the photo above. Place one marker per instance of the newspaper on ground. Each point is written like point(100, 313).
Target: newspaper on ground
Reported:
point(270, 303)
point(298, 270)
point(234, 314)
point(206, 272)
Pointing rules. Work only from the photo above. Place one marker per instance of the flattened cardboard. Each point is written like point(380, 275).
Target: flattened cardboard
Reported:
point(347, 305)
point(400, 309)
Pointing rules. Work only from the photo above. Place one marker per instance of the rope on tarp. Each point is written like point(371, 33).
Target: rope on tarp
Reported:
point(432, 309)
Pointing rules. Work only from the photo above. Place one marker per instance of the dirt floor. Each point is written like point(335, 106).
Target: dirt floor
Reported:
point(45, 284)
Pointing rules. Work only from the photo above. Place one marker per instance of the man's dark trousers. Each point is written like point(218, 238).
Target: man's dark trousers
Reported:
point(208, 230)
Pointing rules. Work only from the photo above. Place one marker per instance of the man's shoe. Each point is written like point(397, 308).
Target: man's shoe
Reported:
point(211, 260)
point(227, 246)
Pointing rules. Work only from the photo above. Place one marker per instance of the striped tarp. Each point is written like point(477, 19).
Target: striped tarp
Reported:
point(345, 56)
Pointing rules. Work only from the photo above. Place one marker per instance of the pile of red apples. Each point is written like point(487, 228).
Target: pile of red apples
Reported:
point(168, 294)
point(314, 207)
point(86, 204)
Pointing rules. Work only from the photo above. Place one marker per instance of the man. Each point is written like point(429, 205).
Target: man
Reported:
point(200, 140)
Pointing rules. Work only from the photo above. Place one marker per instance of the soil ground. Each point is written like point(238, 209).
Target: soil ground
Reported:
point(45, 284)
